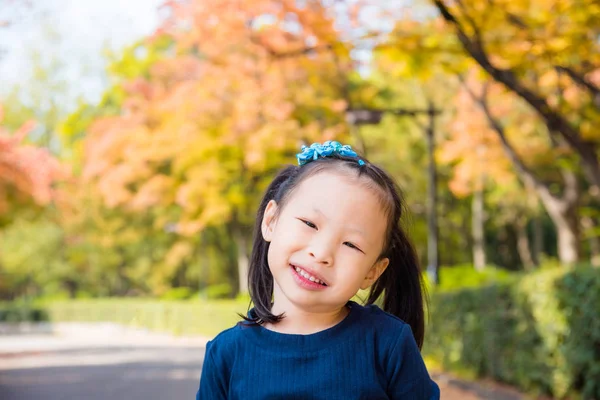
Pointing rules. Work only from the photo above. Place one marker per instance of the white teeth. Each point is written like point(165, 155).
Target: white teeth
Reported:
point(308, 276)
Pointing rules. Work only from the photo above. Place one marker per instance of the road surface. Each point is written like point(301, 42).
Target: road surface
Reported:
point(103, 373)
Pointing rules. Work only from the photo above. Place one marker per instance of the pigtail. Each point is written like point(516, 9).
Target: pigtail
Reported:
point(401, 285)
point(260, 279)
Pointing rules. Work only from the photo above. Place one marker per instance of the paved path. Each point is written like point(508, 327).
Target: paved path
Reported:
point(98, 362)
point(104, 373)
point(452, 388)
point(109, 362)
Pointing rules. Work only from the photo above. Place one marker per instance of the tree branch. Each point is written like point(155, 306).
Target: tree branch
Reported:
point(474, 26)
point(553, 119)
point(575, 77)
point(294, 53)
point(581, 81)
point(526, 174)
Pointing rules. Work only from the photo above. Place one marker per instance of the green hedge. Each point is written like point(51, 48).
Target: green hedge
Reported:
point(540, 333)
point(460, 277)
point(20, 312)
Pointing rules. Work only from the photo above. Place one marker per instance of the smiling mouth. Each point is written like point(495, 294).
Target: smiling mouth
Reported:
point(307, 276)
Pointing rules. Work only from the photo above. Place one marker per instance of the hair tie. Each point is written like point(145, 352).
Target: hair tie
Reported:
point(318, 150)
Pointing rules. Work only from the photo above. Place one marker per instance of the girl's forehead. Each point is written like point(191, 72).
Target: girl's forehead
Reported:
point(337, 188)
point(339, 180)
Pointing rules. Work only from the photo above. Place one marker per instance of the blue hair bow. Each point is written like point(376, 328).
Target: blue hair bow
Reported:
point(318, 150)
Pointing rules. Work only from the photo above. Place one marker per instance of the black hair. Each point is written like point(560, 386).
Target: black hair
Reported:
point(401, 284)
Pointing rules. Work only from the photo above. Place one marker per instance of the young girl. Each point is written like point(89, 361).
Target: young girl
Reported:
point(326, 229)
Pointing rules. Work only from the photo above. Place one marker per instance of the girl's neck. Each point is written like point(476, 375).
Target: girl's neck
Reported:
point(298, 321)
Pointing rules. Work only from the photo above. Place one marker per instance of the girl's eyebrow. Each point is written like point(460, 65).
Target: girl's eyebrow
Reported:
point(315, 209)
point(349, 227)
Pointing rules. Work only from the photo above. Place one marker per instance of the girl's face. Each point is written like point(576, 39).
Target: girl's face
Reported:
point(325, 242)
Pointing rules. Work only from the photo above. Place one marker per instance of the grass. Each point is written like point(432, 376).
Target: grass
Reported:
point(196, 317)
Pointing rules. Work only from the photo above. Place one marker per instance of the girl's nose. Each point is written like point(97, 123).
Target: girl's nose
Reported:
point(322, 252)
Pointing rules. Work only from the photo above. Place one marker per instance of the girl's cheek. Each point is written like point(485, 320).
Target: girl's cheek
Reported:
point(295, 229)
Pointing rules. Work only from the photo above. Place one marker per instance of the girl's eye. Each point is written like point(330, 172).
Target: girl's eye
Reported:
point(352, 246)
point(309, 224)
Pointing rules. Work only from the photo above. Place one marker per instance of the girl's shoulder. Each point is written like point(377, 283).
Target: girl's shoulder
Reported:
point(222, 348)
point(380, 319)
point(387, 330)
point(227, 337)
point(231, 337)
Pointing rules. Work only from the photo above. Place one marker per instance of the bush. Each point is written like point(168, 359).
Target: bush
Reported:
point(465, 276)
point(22, 312)
point(541, 333)
point(180, 293)
point(215, 292)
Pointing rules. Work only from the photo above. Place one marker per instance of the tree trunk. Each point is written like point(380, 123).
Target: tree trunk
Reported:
point(564, 217)
point(594, 241)
point(243, 259)
point(523, 246)
point(466, 232)
point(71, 286)
point(538, 238)
point(478, 230)
point(204, 267)
point(562, 209)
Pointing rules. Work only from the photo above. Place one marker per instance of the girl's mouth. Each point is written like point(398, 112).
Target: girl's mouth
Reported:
point(306, 280)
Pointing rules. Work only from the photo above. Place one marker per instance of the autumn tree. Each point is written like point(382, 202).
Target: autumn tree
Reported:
point(546, 62)
point(208, 126)
point(27, 173)
point(487, 152)
point(546, 53)
point(551, 63)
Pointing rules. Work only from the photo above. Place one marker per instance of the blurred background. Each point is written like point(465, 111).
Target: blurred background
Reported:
point(136, 139)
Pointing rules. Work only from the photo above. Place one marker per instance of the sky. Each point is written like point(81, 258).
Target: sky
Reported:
point(74, 32)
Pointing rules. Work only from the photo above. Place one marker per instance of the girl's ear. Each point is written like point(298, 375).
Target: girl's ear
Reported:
point(375, 272)
point(268, 222)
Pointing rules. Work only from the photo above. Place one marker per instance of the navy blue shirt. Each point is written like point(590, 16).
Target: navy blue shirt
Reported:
point(369, 355)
